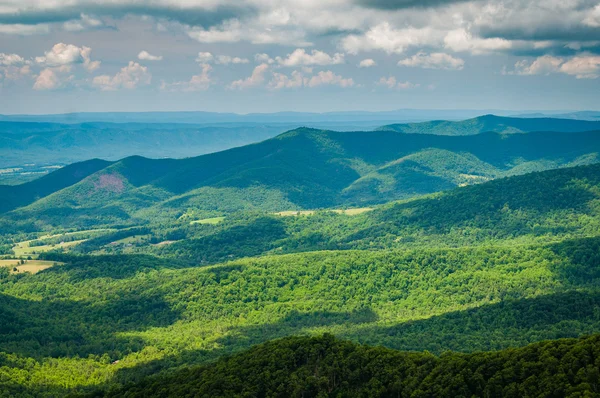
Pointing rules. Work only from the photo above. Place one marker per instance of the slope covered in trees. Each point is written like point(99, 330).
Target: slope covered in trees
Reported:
point(492, 123)
point(304, 169)
point(326, 367)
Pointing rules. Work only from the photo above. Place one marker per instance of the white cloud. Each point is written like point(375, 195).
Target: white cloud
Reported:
point(51, 79)
point(264, 59)
point(300, 57)
point(200, 82)
point(392, 83)
point(129, 77)
point(384, 37)
point(226, 60)
point(24, 30)
point(146, 56)
point(11, 59)
point(85, 22)
point(461, 40)
point(204, 57)
point(257, 78)
point(433, 61)
point(14, 72)
point(542, 65)
point(207, 58)
point(593, 18)
point(584, 66)
point(280, 81)
point(68, 54)
point(255, 32)
point(367, 63)
point(329, 78)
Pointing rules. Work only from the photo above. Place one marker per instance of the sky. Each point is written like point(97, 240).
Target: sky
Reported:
point(59, 56)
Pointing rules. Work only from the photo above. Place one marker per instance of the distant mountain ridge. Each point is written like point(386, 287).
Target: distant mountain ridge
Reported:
point(196, 117)
point(493, 123)
point(304, 169)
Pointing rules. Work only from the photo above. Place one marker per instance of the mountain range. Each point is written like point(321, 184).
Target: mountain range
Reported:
point(469, 258)
point(301, 169)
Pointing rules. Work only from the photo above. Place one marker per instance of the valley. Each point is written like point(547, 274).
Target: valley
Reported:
point(449, 252)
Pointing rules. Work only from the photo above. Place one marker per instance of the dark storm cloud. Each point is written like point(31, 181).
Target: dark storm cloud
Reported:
point(188, 16)
point(404, 4)
point(556, 32)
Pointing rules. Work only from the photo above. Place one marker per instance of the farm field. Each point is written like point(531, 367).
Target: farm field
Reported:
point(31, 266)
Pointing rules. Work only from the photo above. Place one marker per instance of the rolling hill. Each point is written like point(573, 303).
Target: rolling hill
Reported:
point(301, 169)
point(327, 367)
point(492, 266)
point(492, 123)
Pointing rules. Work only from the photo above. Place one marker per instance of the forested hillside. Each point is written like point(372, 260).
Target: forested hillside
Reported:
point(155, 277)
point(327, 367)
point(497, 124)
point(302, 169)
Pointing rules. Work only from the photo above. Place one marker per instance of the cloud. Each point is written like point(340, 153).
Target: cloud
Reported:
point(585, 66)
point(263, 59)
point(24, 30)
point(385, 37)
point(11, 59)
point(582, 67)
point(461, 40)
point(300, 57)
point(129, 77)
point(146, 56)
point(196, 13)
point(85, 22)
point(52, 79)
point(207, 58)
point(226, 60)
point(392, 83)
point(200, 82)
point(280, 81)
point(329, 78)
point(393, 5)
point(204, 57)
point(593, 18)
point(68, 54)
point(543, 65)
point(367, 63)
point(233, 31)
point(433, 61)
point(257, 78)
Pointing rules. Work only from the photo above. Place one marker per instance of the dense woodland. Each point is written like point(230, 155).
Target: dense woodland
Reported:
point(326, 367)
point(164, 282)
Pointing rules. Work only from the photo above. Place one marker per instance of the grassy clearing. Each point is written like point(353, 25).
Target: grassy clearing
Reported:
point(22, 249)
point(31, 266)
point(213, 220)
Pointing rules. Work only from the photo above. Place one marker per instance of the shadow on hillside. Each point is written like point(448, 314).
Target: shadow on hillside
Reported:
point(246, 240)
point(492, 327)
point(241, 338)
point(583, 255)
point(66, 328)
point(85, 267)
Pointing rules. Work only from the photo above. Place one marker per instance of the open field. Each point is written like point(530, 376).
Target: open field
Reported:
point(23, 249)
point(213, 220)
point(31, 266)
